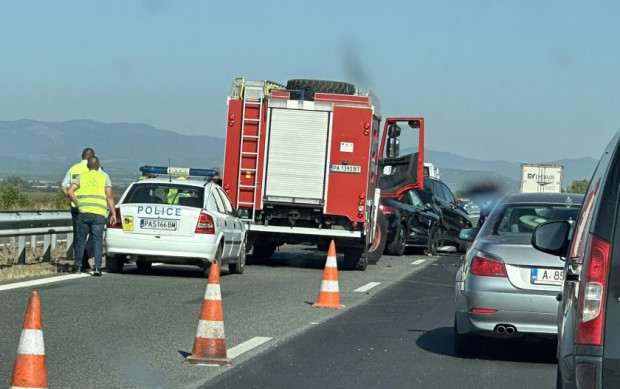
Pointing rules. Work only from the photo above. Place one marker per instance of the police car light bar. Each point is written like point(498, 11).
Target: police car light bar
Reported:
point(178, 171)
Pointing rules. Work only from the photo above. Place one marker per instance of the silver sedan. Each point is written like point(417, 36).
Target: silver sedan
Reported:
point(504, 287)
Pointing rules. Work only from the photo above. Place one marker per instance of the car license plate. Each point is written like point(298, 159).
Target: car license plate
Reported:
point(546, 276)
point(345, 168)
point(158, 224)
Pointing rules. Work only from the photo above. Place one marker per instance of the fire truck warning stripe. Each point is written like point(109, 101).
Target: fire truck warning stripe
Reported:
point(31, 342)
point(210, 329)
point(329, 286)
point(213, 292)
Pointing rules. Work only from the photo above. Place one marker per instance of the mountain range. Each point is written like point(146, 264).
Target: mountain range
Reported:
point(44, 150)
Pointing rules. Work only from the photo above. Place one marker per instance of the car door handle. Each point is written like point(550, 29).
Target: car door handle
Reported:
point(559, 297)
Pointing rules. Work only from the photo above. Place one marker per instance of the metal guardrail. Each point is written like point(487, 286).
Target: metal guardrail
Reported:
point(34, 223)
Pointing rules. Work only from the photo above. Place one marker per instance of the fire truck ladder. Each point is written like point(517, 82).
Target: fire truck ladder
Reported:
point(253, 95)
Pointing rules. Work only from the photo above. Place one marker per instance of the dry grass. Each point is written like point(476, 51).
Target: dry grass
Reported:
point(34, 267)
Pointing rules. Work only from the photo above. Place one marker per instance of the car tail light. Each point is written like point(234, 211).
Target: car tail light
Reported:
point(487, 267)
point(592, 289)
point(386, 209)
point(205, 224)
point(119, 219)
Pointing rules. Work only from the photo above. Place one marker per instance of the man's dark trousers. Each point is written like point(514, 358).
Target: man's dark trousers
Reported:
point(88, 249)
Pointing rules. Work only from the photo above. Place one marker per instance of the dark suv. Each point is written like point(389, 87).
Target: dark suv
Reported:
point(454, 217)
point(589, 311)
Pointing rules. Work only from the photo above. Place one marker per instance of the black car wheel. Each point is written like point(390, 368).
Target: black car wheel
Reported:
point(435, 240)
point(398, 245)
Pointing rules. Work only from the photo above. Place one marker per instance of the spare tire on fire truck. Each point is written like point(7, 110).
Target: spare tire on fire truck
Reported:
point(310, 87)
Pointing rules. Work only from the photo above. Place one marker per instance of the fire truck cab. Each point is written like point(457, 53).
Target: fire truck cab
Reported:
point(302, 165)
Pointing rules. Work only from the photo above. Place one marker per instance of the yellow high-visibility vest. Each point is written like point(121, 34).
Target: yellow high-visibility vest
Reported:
point(75, 171)
point(92, 197)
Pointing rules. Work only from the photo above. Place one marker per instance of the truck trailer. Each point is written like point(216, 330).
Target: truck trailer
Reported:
point(541, 178)
point(302, 164)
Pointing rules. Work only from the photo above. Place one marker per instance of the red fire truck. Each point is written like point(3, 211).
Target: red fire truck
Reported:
point(302, 164)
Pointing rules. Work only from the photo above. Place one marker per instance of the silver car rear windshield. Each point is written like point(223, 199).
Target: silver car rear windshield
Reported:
point(165, 193)
point(523, 218)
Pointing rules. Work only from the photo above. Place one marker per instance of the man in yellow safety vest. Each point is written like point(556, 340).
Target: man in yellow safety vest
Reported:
point(73, 172)
point(94, 198)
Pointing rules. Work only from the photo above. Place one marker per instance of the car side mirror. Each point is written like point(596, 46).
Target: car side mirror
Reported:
point(552, 237)
point(468, 234)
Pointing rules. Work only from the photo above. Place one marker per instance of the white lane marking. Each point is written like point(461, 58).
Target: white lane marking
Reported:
point(418, 261)
point(367, 287)
point(25, 284)
point(246, 346)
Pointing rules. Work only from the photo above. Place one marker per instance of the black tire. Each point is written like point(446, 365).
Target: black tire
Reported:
point(435, 240)
point(239, 266)
point(143, 265)
point(399, 244)
point(115, 263)
point(354, 259)
point(263, 250)
point(377, 247)
point(310, 87)
point(461, 247)
point(465, 344)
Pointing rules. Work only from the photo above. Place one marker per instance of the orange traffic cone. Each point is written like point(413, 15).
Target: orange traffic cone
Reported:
point(210, 342)
point(30, 370)
point(329, 295)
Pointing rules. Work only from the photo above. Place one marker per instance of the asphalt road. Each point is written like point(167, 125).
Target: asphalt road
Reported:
point(399, 338)
point(133, 330)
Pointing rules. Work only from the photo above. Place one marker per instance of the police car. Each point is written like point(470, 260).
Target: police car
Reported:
point(173, 220)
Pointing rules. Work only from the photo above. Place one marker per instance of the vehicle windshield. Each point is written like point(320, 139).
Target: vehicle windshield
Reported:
point(165, 193)
point(521, 219)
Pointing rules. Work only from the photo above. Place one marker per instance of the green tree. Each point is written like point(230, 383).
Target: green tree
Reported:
point(578, 186)
point(11, 197)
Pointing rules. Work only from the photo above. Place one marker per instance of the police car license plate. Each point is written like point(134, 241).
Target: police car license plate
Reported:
point(546, 276)
point(345, 168)
point(158, 224)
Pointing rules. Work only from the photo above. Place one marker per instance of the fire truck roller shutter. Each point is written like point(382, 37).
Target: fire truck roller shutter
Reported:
point(310, 87)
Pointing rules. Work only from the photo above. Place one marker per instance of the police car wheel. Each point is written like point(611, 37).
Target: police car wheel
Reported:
point(239, 266)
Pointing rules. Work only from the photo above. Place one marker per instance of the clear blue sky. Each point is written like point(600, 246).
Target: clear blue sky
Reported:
point(521, 80)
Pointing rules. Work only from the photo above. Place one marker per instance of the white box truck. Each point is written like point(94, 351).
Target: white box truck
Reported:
point(540, 178)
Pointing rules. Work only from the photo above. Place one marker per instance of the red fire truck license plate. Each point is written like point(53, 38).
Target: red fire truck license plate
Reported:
point(345, 168)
